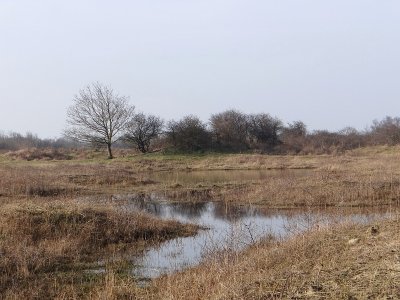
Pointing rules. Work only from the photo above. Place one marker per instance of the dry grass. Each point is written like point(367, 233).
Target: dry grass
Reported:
point(47, 241)
point(360, 178)
point(38, 154)
point(318, 188)
point(47, 154)
point(49, 179)
point(345, 262)
point(46, 248)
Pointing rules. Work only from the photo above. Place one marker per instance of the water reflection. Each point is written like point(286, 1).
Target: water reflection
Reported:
point(230, 227)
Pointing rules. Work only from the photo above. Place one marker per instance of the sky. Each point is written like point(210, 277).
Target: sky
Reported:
point(330, 64)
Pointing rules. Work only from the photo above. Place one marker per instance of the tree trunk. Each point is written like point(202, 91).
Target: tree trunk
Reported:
point(110, 156)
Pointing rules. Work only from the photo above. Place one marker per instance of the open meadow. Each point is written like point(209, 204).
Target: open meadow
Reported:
point(66, 232)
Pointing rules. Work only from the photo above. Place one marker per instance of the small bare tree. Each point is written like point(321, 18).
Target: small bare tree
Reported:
point(98, 116)
point(142, 129)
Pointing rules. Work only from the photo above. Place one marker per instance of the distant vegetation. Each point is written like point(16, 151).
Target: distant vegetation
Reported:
point(101, 118)
point(230, 131)
point(17, 141)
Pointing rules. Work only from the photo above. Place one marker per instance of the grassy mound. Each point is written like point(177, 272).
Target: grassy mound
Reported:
point(38, 154)
point(37, 242)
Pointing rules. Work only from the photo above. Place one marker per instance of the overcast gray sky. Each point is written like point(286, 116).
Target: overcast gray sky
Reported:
point(328, 63)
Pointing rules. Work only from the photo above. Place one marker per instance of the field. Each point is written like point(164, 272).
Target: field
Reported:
point(63, 235)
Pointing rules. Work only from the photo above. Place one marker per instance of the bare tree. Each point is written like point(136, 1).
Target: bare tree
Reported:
point(142, 129)
point(294, 137)
point(351, 138)
point(98, 116)
point(230, 130)
point(322, 141)
point(264, 130)
point(386, 131)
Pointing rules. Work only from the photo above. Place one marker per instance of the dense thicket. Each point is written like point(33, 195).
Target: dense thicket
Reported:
point(231, 131)
point(188, 135)
point(234, 131)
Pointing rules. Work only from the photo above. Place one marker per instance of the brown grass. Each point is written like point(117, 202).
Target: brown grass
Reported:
point(344, 262)
point(48, 242)
point(47, 154)
point(50, 245)
point(359, 178)
point(38, 154)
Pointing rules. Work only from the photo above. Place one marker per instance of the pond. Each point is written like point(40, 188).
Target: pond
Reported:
point(230, 227)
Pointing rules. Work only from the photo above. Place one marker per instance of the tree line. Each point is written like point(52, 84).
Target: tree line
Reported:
point(101, 118)
point(233, 131)
point(16, 141)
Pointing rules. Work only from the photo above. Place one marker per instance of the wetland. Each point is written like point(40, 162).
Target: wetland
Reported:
point(154, 226)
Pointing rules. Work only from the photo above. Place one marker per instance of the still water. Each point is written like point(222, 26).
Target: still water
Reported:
point(229, 227)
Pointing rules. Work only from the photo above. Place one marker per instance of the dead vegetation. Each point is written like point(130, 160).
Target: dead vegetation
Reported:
point(46, 248)
point(38, 154)
point(344, 262)
point(49, 242)
point(359, 178)
point(58, 154)
point(318, 188)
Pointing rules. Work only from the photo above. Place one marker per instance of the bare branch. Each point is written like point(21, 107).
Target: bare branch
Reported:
point(98, 116)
